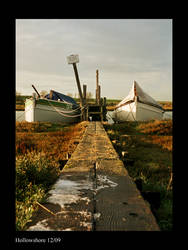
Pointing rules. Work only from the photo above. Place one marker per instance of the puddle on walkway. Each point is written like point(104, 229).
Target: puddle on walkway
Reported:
point(67, 194)
point(40, 226)
point(67, 191)
point(65, 221)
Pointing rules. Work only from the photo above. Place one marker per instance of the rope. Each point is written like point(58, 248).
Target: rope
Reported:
point(63, 113)
point(109, 116)
point(60, 112)
point(66, 111)
point(66, 103)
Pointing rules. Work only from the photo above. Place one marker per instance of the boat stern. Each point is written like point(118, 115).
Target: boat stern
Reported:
point(30, 110)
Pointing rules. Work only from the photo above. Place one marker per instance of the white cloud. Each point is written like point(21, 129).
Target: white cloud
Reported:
point(46, 82)
point(123, 50)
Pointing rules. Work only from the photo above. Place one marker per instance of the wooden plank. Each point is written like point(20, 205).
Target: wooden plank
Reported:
point(95, 192)
point(120, 204)
point(78, 83)
point(72, 195)
point(79, 172)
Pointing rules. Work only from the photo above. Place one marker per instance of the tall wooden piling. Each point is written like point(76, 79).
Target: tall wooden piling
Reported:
point(84, 92)
point(84, 116)
point(98, 91)
point(78, 83)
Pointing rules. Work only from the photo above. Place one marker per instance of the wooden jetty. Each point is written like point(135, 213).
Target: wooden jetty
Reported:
point(94, 192)
point(96, 111)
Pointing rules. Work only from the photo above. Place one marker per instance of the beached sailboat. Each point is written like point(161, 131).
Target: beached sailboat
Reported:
point(54, 107)
point(137, 106)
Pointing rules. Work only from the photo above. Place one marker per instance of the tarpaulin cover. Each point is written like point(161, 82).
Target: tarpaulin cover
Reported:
point(62, 97)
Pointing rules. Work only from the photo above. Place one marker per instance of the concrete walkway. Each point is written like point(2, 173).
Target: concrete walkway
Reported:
point(95, 192)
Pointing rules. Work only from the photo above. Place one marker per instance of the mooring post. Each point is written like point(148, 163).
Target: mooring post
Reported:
point(84, 102)
point(84, 92)
point(104, 101)
point(99, 95)
point(73, 59)
point(97, 86)
point(78, 83)
point(104, 109)
point(97, 78)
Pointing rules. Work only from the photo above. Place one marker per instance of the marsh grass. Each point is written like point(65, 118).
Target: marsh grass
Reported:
point(148, 147)
point(40, 147)
point(34, 176)
point(36, 127)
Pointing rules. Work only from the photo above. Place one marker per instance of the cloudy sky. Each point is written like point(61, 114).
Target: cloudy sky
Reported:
point(123, 50)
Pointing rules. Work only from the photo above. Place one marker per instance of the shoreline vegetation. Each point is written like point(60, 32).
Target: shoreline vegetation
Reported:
point(110, 103)
point(42, 149)
point(146, 151)
point(167, 105)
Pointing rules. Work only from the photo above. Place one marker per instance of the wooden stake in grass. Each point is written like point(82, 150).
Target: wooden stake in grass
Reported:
point(45, 208)
point(170, 181)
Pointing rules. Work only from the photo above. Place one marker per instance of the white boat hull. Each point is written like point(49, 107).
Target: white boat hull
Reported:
point(35, 112)
point(137, 111)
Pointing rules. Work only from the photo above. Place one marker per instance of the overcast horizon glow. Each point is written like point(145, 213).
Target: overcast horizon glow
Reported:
point(123, 50)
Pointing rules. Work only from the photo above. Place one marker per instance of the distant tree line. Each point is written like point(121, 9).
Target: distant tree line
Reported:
point(21, 98)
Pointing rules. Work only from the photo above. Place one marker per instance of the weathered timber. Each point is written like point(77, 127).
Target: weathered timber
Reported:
point(78, 83)
point(97, 112)
point(84, 111)
point(36, 90)
point(95, 192)
point(121, 206)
